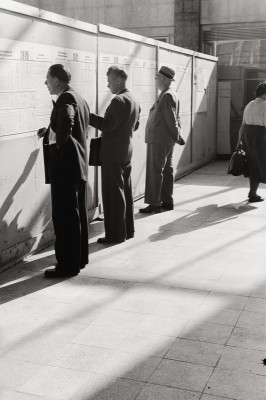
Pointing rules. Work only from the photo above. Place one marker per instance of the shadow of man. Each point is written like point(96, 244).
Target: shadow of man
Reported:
point(202, 217)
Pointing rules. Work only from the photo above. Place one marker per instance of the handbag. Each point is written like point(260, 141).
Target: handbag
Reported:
point(238, 164)
point(95, 147)
point(180, 140)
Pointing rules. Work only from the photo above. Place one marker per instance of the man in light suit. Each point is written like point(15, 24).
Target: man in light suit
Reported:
point(161, 133)
point(121, 119)
point(66, 170)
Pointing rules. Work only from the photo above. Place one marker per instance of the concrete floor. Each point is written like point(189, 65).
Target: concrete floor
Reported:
point(177, 313)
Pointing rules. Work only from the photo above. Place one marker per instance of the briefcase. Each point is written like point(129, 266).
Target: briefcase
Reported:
point(95, 147)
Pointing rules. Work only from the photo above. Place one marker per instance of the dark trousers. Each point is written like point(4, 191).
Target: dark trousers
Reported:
point(70, 220)
point(159, 174)
point(117, 200)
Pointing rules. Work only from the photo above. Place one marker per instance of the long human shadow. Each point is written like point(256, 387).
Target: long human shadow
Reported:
point(196, 220)
point(12, 226)
point(24, 175)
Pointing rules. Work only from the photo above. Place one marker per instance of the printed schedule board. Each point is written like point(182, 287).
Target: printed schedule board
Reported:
point(28, 46)
point(30, 41)
point(25, 104)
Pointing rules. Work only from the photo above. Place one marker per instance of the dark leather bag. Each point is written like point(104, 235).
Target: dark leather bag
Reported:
point(95, 147)
point(238, 164)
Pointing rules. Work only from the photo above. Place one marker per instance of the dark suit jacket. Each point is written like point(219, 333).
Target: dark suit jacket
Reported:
point(163, 124)
point(121, 119)
point(69, 120)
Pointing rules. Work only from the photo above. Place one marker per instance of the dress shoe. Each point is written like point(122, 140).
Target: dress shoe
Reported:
point(255, 199)
point(105, 240)
point(167, 206)
point(56, 273)
point(150, 209)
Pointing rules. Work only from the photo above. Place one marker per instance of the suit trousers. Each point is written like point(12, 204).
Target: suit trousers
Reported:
point(117, 200)
point(159, 173)
point(70, 220)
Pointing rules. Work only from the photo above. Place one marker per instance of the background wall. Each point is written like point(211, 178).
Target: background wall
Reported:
point(187, 24)
point(232, 11)
point(30, 41)
point(152, 18)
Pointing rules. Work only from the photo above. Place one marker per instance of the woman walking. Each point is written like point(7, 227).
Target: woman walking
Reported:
point(252, 134)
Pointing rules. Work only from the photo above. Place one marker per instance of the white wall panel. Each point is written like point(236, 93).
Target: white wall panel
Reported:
point(30, 41)
point(28, 46)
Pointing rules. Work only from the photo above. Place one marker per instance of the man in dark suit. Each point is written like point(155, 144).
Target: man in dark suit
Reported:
point(121, 119)
point(66, 170)
point(161, 133)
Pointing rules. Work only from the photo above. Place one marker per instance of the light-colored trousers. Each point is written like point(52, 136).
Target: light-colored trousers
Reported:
point(159, 174)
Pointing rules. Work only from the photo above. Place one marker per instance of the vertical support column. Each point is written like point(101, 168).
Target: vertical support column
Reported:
point(192, 106)
point(96, 169)
point(187, 24)
point(157, 66)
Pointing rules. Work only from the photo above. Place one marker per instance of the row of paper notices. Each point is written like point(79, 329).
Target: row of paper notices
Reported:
point(141, 74)
point(19, 71)
point(17, 121)
point(43, 103)
point(24, 100)
point(143, 83)
point(16, 75)
point(144, 63)
point(11, 100)
point(112, 59)
point(82, 72)
point(16, 50)
point(41, 68)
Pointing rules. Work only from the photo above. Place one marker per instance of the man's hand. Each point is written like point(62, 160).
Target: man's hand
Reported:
point(41, 132)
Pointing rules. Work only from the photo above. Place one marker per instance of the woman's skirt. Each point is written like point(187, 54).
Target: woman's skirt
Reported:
point(254, 145)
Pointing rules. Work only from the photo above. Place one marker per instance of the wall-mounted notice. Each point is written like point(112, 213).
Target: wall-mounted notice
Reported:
point(200, 85)
point(25, 103)
point(141, 79)
point(143, 83)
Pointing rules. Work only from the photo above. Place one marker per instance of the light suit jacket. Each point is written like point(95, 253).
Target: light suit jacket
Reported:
point(163, 125)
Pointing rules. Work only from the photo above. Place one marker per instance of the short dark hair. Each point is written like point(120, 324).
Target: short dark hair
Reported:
point(117, 71)
point(60, 72)
point(260, 89)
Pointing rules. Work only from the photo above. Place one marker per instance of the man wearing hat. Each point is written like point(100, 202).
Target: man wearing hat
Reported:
point(161, 133)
